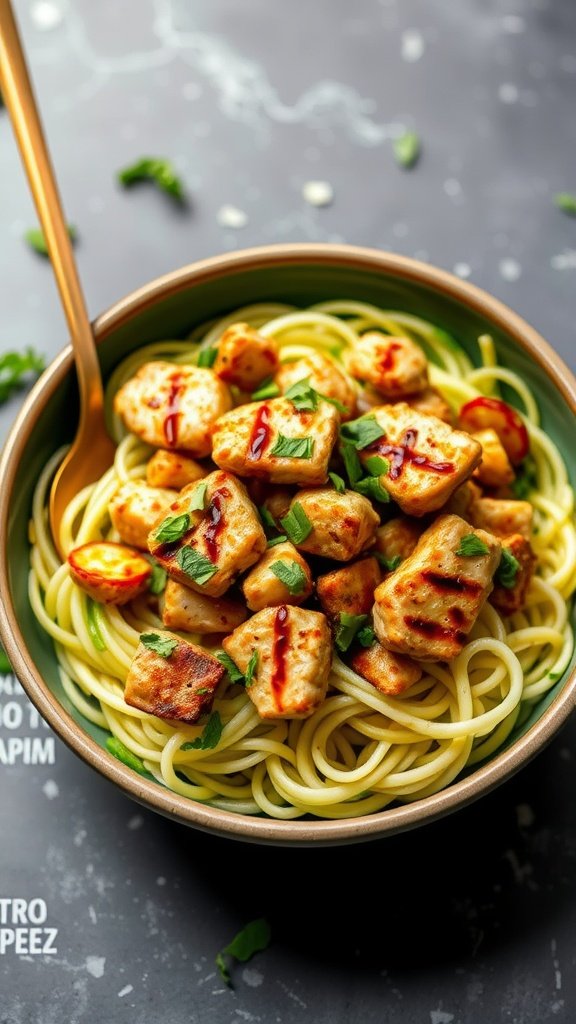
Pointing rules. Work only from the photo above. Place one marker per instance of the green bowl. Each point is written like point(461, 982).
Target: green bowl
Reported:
point(168, 308)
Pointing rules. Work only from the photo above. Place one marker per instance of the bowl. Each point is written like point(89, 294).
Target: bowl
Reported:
point(169, 307)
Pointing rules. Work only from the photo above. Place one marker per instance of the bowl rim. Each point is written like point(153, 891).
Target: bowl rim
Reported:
point(152, 794)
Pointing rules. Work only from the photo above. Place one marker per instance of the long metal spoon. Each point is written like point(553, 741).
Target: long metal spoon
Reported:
point(92, 450)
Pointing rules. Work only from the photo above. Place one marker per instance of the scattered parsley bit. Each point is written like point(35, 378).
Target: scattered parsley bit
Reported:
point(376, 465)
point(37, 241)
point(251, 668)
point(267, 518)
point(236, 676)
point(155, 169)
point(508, 569)
point(348, 626)
point(390, 564)
point(172, 528)
point(303, 396)
point(526, 479)
point(198, 498)
point(296, 523)
point(116, 747)
point(366, 636)
point(196, 565)
point(158, 579)
point(14, 367)
point(554, 676)
point(291, 574)
point(93, 622)
point(253, 938)
point(407, 149)
point(362, 432)
point(207, 357)
point(566, 201)
point(293, 447)
point(203, 689)
point(351, 461)
point(276, 540)
point(5, 666)
point(333, 401)
point(267, 389)
point(471, 545)
point(210, 737)
point(162, 645)
point(371, 487)
point(338, 482)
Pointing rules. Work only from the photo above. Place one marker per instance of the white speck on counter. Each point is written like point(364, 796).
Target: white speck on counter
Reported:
point(231, 217)
point(79, 837)
point(412, 46)
point(452, 187)
point(92, 915)
point(191, 91)
point(510, 269)
point(136, 822)
point(45, 15)
point(524, 816)
point(508, 93)
point(513, 23)
point(565, 754)
point(318, 193)
point(564, 260)
point(441, 1017)
point(399, 230)
point(95, 965)
point(125, 991)
point(557, 1005)
point(160, 880)
point(556, 965)
point(252, 977)
point(462, 269)
point(293, 995)
point(246, 1015)
point(50, 789)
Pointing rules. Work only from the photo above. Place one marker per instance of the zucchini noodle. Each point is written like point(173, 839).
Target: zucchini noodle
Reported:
point(360, 750)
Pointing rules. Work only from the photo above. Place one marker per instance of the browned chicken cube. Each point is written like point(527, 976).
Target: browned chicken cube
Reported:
point(427, 608)
point(293, 648)
point(324, 376)
point(191, 612)
point(280, 577)
point(209, 535)
point(245, 358)
point(350, 589)
point(390, 673)
point(502, 517)
point(177, 684)
point(397, 538)
point(135, 508)
point(396, 367)
point(460, 503)
point(512, 598)
point(173, 469)
point(495, 469)
point(342, 524)
point(277, 501)
point(173, 406)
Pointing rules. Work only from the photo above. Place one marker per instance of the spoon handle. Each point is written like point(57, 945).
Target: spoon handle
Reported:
point(21, 104)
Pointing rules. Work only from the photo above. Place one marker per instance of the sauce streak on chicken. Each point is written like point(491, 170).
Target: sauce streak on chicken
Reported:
point(405, 451)
point(216, 522)
point(279, 650)
point(260, 434)
point(172, 411)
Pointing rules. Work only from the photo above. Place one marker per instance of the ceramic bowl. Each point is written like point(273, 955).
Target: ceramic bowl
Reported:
point(170, 307)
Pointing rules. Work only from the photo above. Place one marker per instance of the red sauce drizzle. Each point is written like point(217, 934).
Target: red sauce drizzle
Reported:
point(216, 522)
point(172, 410)
point(453, 584)
point(278, 680)
point(399, 454)
point(260, 434)
point(433, 630)
point(388, 359)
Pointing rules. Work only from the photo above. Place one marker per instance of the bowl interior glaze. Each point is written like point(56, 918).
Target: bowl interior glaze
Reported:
point(169, 308)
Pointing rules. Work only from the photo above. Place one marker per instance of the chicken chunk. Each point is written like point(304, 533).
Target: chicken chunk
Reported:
point(397, 538)
point(186, 610)
point(512, 598)
point(324, 376)
point(209, 535)
point(350, 589)
point(390, 673)
point(427, 608)
point(280, 577)
point(428, 460)
point(502, 517)
point(172, 406)
point(245, 358)
point(396, 367)
point(294, 651)
point(460, 503)
point(179, 685)
point(495, 469)
point(277, 501)
point(173, 469)
point(275, 442)
point(135, 508)
point(343, 525)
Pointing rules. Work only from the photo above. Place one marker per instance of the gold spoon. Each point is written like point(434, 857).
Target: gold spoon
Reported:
point(92, 451)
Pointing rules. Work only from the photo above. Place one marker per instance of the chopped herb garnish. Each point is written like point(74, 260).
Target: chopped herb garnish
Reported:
point(351, 461)
point(362, 432)
point(508, 569)
point(210, 737)
point(471, 545)
point(407, 149)
point(252, 939)
point(346, 629)
point(196, 565)
point(231, 667)
point(366, 636)
point(333, 401)
point(554, 676)
point(376, 465)
point(296, 523)
point(390, 564)
point(37, 241)
point(162, 645)
point(251, 668)
point(338, 482)
point(207, 357)
point(371, 488)
point(5, 666)
point(157, 170)
point(93, 621)
point(15, 367)
point(302, 395)
point(291, 574)
point(198, 498)
point(172, 528)
point(293, 447)
point(566, 202)
point(276, 540)
point(116, 747)
point(267, 518)
point(267, 389)
point(526, 479)
point(158, 579)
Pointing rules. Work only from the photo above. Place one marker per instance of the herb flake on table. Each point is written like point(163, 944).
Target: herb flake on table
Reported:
point(37, 241)
point(157, 170)
point(15, 367)
point(407, 149)
point(253, 938)
point(566, 201)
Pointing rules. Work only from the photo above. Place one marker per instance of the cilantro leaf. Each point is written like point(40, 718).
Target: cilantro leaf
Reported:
point(196, 565)
point(338, 482)
point(267, 389)
point(253, 938)
point(566, 201)
point(157, 170)
point(172, 528)
point(390, 564)
point(302, 395)
point(162, 645)
point(351, 461)
point(371, 487)
point(507, 571)
point(361, 432)
point(231, 667)
point(366, 636)
point(526, 479)
point(291, 574)
point(210, 737)
point(267, 518)
point(293, 447)
point(207, 357)
point(117, 748)
point(296, 523)
point(15, 367)
point(376, 465)
point(333, 401)
point(198, 498)
point(37, 241)
point(471, 545)
point(407, 149)
point(158, 579)
point(251, 668)
point(276, 540)
point(346, 629)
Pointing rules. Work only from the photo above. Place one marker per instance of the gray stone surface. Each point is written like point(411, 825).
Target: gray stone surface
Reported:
point(473, 919)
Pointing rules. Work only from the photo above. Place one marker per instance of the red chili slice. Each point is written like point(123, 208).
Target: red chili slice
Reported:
point(491, 413)
point(110, 573)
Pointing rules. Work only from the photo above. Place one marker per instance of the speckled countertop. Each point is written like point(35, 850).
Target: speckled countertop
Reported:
point(474, 919)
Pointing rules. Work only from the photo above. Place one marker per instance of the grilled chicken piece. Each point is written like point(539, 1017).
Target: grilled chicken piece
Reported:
point(280, 577)
point(428, 606)
point(277, 501)
point(294, 650)
point(172, 406)
point(324, 376)
point(390, 673)
point(396, 367)
point(350, 589)
point(429, 402)
point(428, 460)
point(173, 469)
point(460, 503)
point(206, 547)
point(274, 441)
point(245, 358)
point(495, 469)
point(398, 537)
point(180, 686)
point(512, 599)
point(502, 517)
point(186, 610)
point(342, 524)
point(135, 508)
